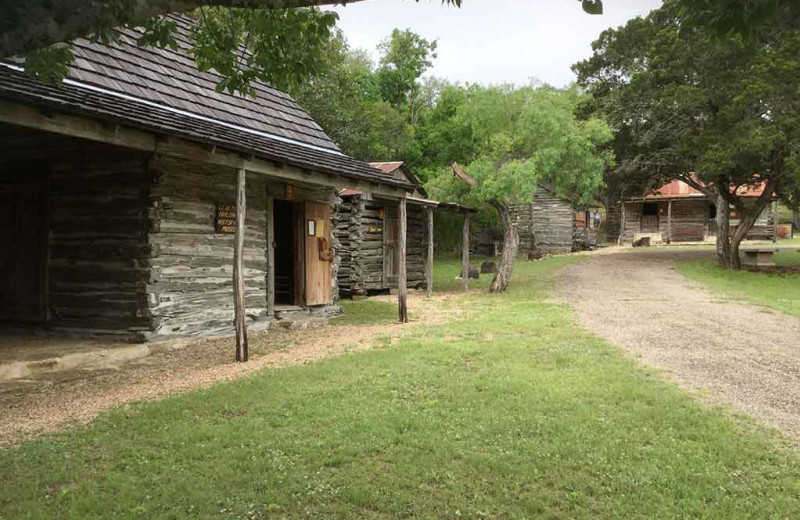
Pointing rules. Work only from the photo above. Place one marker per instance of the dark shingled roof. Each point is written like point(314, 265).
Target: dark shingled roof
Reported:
point(142, 87)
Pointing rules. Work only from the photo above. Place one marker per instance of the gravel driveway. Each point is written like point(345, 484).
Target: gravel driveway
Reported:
point(742, 355)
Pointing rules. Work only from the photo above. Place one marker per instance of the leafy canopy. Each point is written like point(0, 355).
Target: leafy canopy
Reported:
point(273, 41)
point(681, 101)
point(523, 136)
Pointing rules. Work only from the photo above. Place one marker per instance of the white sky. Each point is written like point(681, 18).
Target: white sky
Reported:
point(493, 41)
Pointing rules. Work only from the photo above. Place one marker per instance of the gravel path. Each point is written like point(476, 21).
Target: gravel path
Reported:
point(742, 355)
point(52, 405)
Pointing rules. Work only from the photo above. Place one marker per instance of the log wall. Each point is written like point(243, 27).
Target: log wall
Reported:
point(359, 228)
point(547, 225)
point(99, 266)
point(193, 264)
point(690, 218)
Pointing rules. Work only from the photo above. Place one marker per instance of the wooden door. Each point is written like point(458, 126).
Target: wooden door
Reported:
point(318, 254)
point(23, 256)
point(390, 246)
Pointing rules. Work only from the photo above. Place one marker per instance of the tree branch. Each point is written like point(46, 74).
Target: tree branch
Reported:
point(34, 24)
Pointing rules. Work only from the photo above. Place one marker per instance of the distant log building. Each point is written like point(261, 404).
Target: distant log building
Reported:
point(676, 212)
point(366, 232)
point(550, 224)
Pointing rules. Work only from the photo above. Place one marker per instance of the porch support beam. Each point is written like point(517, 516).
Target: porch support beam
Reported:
point(621, 238)
point(669, 221)
point(402, 285)
point(774, 221)
point(238, 268)
point(270, 255)
point(429, 259)
point(465, 253)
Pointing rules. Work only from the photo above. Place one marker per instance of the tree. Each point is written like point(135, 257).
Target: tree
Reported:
point(521, 137)
point(269, 35)
point(405, 56)
point(344, 97)
point(736, 17)
point(719, 114)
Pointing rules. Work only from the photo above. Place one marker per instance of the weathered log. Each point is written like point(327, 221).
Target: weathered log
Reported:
point(238, 269)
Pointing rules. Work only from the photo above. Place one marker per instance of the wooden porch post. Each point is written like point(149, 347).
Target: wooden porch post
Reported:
point(402, 289)
point(774, 221)
point(669, 221)
point(270, 255)
point(465, 253)
point(429, 263)
point(621, 238)
point(238, 268)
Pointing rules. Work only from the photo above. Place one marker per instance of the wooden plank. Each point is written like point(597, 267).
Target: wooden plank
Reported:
point(465, 253)
point(317, 256)
point(402, 288)
point(270, 206)
point(238, 268)
point(429, 259)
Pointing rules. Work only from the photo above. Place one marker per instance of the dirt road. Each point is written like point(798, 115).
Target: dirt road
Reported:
point(743, 355)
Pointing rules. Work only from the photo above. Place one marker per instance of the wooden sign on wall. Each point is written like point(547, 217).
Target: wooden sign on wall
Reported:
point(226, 218)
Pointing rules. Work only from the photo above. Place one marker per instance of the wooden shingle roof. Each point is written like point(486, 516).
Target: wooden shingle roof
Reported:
point(170, 77)
point(161, 90)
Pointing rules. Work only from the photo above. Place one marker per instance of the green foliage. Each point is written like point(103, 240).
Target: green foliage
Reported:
point(49, 64)
point(345, 99)
point(405, 56)
point(520, 137)
point(280, 46)
point(682, 101)
point(736, 17)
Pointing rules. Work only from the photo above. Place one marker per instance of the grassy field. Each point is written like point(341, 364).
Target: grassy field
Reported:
point(780, 291)
point(511, 412)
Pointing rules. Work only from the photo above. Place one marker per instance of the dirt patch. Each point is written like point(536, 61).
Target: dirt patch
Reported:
point(742, 355)
point(53, 403)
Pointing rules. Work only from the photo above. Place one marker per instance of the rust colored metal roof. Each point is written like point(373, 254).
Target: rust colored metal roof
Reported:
point(387, 167)
point(678, 189)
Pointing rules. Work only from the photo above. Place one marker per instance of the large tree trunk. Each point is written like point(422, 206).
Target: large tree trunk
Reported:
point(723, 232)
point(796, 219)
point(728, 242)
point(510, 248)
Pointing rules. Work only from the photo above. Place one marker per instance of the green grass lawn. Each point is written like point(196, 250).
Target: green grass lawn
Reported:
point(779, 291)
point(511, 412)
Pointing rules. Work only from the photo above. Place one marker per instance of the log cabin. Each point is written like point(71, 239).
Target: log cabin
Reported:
point(139, 202)
point(365, 230)
point(677, 212)
point(550, 224)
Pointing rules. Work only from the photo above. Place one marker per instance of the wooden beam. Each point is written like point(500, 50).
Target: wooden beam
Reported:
point(270, 255)
point(429, 262)
point(465, 253)
point(238, 268)
point(621, 237)
point(210, 153)
point(402, 285)
point(669, 221)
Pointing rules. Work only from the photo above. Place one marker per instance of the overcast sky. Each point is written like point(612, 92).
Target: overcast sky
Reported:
point(493, 41)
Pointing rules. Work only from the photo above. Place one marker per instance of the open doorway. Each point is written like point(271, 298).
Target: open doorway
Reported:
point(23, 256)
point(285, 286)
